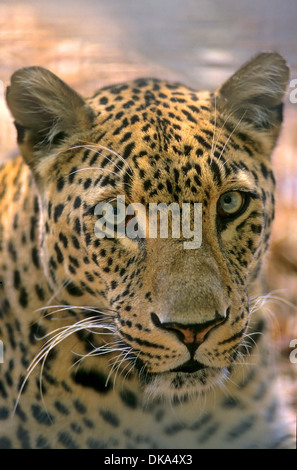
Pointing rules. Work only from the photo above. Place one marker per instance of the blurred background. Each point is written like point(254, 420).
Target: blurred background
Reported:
point(93, 43)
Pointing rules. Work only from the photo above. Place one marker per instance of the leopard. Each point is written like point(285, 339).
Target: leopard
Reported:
point(112, 341)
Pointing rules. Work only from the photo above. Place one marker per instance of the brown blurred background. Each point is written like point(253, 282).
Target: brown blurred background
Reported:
point(93, 43)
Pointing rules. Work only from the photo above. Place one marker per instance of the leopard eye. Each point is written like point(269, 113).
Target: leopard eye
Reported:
point(230, 203)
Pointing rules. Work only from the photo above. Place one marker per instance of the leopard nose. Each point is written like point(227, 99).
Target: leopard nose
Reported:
point(192, 335)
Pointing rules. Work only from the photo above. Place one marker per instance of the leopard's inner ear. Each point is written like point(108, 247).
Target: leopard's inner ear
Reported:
point(255, 93)
point(45, 109)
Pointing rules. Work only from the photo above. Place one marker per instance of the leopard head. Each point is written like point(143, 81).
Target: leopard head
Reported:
point(178, 313)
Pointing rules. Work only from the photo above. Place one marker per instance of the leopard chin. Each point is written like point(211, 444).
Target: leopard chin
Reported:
point(182, 386)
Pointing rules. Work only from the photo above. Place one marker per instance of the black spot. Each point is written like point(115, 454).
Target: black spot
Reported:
point(24, 437)
point(75, 242)
point(75, 427)
point(86, 155)
point(127, 182)
point(72, 174)
point(195, 110)
point(128, 150)
point(60, 257)
point(215, 171)
point(114, 284)
point(147, 185)
point(243, 426)
point(3, 391)
point(94, 160)
point(77, 202)
point(79, 406)
point(12, 251)
point(36, 332)
point(126, 137)
point(88, 239)
point(63, 239)
point(134, 119)
point(4, 413)
point(95, 444)
point(119, 115)
point(5, 443)
point(61, 408)
point(77, 226)
point(23, 298)
point(169, 186)
point(42, 443)
point(72, 289)
point(60, 184)
point(42, 416)
point(189, 116)
point(16, 279)
point(89, 276)
point(106, 181)
point(92, 379)
point(248, 150)
point(49, 209)
point(21, 414)
point(110, 418)
point(66, 440)
point(35, 257)
point(15, 222)
point(87, 183)
point(33, 221)
point(40, 292)
point(233, 337)
point(256, 228)
point(129, 398)
point(202, 141)
point(231, 402)
point(187, 150)
point(58, 211)
point(5, 307)
point(264, 170)
point(186, 168)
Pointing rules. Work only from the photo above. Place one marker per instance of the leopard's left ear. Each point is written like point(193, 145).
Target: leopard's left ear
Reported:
point(255, 93)
point(46, 110)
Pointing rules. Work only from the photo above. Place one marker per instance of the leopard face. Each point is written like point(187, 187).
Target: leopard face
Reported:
point(177, 318)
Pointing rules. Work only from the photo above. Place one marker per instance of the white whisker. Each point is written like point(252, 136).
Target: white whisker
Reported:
point(230, 135)
point(57, 336)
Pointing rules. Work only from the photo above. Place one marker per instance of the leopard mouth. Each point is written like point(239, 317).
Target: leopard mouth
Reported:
point(190, 379)
point(190, 370)
point(189, 367)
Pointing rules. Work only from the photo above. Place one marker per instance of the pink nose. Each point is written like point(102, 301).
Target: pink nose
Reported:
point(192, 335)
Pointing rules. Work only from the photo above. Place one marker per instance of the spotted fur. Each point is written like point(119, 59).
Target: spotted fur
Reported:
point(114, 343)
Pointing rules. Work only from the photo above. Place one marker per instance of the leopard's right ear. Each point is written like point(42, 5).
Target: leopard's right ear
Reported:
point(46, 110)
point(254, 94)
